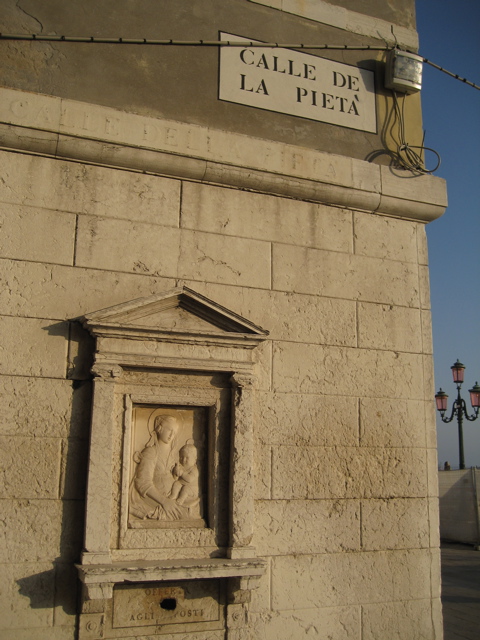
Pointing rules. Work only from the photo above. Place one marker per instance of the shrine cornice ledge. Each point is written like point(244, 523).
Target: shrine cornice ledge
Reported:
point(99, 579)
point(83, 132)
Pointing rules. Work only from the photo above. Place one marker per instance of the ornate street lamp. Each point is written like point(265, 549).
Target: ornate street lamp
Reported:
point(459, 408)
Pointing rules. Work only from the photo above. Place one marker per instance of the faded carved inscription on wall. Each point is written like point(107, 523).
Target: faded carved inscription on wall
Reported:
point(166, 603)
point(167, 467)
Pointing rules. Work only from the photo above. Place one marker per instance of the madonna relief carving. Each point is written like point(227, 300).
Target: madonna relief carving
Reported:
point(166, 485)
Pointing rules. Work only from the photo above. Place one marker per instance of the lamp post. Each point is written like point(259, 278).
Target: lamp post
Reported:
point(459, 408)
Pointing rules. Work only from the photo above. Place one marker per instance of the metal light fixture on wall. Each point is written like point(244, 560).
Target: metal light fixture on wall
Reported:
point(459, 409)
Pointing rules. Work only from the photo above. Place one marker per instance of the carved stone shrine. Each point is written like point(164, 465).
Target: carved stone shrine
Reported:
point(169, 519)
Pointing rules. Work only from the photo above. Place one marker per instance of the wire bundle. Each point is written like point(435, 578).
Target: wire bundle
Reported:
point(411, 156)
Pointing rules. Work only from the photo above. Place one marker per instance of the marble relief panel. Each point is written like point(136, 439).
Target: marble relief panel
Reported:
point(167, 487)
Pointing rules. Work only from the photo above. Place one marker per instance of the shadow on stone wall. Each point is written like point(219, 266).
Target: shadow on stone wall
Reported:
point(58, 587)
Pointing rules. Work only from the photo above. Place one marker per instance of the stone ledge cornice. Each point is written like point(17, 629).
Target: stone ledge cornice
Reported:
point(99, 579)
point(67, 129)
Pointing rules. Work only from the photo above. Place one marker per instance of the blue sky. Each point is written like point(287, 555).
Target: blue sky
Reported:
point(449, 36)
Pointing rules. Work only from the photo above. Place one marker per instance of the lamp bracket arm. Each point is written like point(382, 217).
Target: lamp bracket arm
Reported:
point(452, 415)
point(473, 417)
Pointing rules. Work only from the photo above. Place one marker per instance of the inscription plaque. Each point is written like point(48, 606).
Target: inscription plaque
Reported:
point(158, 604)
point(298, 84)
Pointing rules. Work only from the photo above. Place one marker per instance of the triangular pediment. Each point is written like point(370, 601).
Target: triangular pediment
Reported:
point(178, 311)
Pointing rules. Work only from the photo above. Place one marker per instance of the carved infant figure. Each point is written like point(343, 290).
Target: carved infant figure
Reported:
point(185, 487)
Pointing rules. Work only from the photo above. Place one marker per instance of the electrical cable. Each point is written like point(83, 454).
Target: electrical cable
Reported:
point(453, 75)
point(188, 43)
point(217, 43)
point(407, 154)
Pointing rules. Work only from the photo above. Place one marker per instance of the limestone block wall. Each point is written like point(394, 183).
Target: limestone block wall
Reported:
point(123, 176)
point(345, 470)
